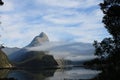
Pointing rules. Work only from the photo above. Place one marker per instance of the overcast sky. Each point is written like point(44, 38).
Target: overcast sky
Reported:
point(61, 20)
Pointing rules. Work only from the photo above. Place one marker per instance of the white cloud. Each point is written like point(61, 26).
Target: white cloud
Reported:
point(69, 50)
point(81, 57)
point(69, 3)
point(8, 6)
point(77, 20)
point(59, 3)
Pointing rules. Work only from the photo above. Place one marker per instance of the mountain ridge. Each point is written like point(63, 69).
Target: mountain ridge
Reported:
point(54, 51)
point(38, 40)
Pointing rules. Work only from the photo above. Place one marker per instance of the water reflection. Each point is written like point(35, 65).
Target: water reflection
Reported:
point(74, 74)
point(4, 73)
point(52, 74)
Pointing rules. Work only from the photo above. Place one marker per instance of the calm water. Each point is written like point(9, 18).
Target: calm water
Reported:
point(58, 74)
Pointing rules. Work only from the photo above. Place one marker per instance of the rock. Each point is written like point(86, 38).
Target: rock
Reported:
point(35, 59)
point(4, 62)
point(42, 38)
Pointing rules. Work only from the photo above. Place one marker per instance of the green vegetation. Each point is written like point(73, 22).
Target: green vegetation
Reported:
point(4, 62)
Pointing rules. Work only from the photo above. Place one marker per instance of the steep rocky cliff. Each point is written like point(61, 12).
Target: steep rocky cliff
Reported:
point(25, 58)
point(34, 59)
point(4, 62)
point(38, 40)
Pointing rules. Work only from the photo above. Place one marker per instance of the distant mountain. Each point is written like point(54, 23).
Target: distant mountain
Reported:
point(18, 55)
point(38, 40)
point(42, 52)
point(34, 59)
point(4, 62)
point(9, 51)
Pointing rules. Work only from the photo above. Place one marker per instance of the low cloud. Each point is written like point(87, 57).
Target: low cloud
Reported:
point(71, 51)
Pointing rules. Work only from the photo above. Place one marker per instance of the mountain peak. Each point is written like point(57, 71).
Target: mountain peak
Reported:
point(38, 40)
point(42, 34)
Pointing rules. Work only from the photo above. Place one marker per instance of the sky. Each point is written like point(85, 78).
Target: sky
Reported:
point(61, 20)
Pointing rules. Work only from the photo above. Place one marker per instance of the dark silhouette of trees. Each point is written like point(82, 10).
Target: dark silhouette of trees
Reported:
point(111, 19)
point(109, 48)
point(1, 2)
point(104, 48)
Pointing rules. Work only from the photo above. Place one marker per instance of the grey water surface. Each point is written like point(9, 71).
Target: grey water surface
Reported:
point(73, 73)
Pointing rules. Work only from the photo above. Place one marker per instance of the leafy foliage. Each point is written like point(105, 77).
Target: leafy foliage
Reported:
point(111, 19)
point(104, 48)
point(109, 48)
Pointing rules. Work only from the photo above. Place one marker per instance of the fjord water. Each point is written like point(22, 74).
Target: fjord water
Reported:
point(51, 74)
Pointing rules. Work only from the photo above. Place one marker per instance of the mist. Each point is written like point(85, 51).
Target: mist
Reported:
point(70, 51)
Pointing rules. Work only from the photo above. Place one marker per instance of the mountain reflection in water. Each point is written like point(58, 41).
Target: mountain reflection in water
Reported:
point(51, 74)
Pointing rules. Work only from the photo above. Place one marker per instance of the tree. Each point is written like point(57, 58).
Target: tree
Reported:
point(1, 2)
point(111, 20)
point(104, 48)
